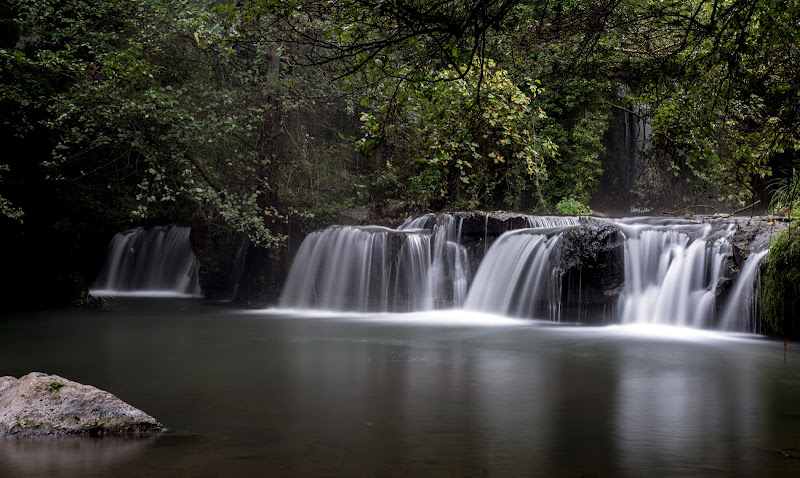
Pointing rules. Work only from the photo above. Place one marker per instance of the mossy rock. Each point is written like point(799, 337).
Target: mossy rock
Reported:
point(780, 287)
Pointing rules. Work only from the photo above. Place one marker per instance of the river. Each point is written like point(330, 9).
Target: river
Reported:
point(443, 393)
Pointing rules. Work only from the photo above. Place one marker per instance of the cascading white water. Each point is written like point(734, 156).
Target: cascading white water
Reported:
point(740, 312)
point(448, 277)
point(353, 268)
point(519, 276)
point(552, 221)
point(360, 269)
point(672, 270)
point(411, 289)
point(155, 261)
point(419, 222)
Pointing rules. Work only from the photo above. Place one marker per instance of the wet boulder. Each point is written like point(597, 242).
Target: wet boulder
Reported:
point(593, 264)
point(40, 404)
point(478, 231)
point(753, 235)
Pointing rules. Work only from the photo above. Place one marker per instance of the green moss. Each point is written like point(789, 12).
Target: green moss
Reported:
point(780, 289)
point(56, 386)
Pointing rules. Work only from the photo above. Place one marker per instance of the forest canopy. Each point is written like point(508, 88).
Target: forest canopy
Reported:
point(248, 115)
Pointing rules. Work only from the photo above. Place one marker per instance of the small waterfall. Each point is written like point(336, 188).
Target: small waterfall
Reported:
point(552, 221)
point(419, 222)
point(411, 288)
point(740, 312)
point(520, 276)
point(672, 270)
point(418, 266)
point(361, 269)
point(158, 260)
point(449, 273)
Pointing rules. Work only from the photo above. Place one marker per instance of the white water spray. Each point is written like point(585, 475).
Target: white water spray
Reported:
point(740, 311)
point(673, 271)
point(519, 276)
point(157, 261)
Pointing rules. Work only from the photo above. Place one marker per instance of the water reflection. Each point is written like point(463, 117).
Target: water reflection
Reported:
point(52, 456)
point(689, 409)
point(377, 396)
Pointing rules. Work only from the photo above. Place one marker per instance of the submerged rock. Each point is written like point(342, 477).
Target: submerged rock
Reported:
point(39, 404)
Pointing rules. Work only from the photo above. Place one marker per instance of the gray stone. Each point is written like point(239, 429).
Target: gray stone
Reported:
point(754, 235)
point(355, 216)
point(394, 208)
point(40, 404)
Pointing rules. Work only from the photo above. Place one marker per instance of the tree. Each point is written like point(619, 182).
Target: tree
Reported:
point(184, 106)
point(717, 94)
point(167, 112)
point(464, 139)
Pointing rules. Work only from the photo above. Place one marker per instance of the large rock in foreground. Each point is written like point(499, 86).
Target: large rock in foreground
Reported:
point(40, 404)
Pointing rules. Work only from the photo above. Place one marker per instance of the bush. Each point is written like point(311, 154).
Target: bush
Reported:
point(572, 207)
point(786, 197)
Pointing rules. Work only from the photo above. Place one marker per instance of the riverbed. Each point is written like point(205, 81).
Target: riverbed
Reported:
point(445, 393)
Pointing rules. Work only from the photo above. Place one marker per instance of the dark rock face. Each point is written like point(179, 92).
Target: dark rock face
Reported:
point(264, 271)
point(394, 208)
point(593, 264)
point(480, 229)
point(221, 253)
point(39, 404)
point(355, 216)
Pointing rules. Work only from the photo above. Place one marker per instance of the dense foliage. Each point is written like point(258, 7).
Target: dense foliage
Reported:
point(728, 114)
point(453, 144)
point(253, 115)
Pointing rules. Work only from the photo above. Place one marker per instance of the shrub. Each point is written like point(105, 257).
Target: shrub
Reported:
point(572, 207)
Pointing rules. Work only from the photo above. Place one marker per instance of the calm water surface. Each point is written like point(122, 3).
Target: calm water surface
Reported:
point(439, 394)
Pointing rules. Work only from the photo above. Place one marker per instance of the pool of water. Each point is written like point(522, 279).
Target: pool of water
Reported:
point(291, 393)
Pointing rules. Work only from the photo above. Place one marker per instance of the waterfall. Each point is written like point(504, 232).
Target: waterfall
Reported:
point(637, 270)
point(740, 312)
point(420, 222)
point(411, 289)
point(360, 269)
point(448, 276)
point(551, 221)
point(158, 260)
point(672, 270)
point(520, 276)
point(418, 266)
